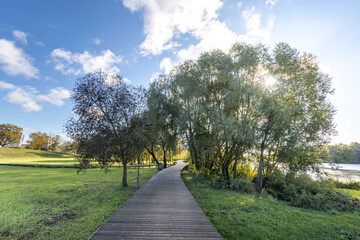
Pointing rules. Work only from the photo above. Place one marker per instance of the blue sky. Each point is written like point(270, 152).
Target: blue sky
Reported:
point(46, 45)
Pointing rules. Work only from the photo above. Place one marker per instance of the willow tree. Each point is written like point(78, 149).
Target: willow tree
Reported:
point(302, 119)
point(106, 118)
point(161, 137)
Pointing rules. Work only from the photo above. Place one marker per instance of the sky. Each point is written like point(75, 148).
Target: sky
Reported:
point(45, 46)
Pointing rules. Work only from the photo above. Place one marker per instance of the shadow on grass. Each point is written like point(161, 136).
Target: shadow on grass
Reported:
point(46, 154)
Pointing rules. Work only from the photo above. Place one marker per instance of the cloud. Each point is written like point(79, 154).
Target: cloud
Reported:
point(271, 2)
point(82, 63)
point(239, 4)
point(166, 65)
point(4, 85)
point(165, 22)
point(39, 43)
point(254, 30)
point(20, 36)
point(56, 96)
point(14, 61)
point(29, 98)
point(166, 19)
point(97, 41)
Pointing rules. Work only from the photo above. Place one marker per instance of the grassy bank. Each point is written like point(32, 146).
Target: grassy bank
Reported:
point(246, 216)
point(16, 155)
point(49, 203)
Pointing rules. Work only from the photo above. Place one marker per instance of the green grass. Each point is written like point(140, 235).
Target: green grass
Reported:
point(245, 216)
point(16, 155)
point(53, 203)
point(350, 192)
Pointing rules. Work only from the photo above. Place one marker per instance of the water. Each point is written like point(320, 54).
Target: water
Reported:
point(342, 172)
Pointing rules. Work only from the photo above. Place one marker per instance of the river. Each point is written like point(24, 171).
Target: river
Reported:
point(342, 172)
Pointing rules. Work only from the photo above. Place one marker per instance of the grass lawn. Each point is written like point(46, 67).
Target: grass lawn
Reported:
point(15, 155)
point(58, 203)
point(245, 216)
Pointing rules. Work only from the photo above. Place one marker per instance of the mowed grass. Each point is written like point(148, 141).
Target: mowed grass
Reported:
point(29, 156)
point(58, 203)
point(245, 216)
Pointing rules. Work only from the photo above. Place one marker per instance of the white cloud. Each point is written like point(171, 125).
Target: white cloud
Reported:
point(166, 65)
point(97, 41)
point(39, 43)
point(82, 63)
point(14, 61)
point(56, 96)
point(20, 36)
point(4, 85)
point(239, 4)
point(29, 98)
point(166, 21)
point(254, 30)
point(271, 2)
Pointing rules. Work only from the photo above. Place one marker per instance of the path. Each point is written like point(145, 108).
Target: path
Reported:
point(162, 209)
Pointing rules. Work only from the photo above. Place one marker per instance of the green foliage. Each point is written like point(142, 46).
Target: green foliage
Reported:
point(342, 153)
point(245, 171)
point(302, 191)
point(9, 134)
point(38, 140)
point(238, 185)
point(345, 185)
point(106, 124)
point(223, 108)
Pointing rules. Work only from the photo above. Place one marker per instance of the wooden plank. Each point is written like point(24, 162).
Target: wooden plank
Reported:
point(162, 209)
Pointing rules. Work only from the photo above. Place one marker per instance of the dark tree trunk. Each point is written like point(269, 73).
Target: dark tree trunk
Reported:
point(225, 172)
point(165, 165)
point(153, 155)
point(124, 178)
point(235, 167)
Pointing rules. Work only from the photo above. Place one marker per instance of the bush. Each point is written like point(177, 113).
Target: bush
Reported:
point(242, 185)
point(238, 185)
point(245, 171)
point(302, 191)
point(348, 185)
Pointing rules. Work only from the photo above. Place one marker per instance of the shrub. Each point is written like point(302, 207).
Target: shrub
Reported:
point(347, 185)
point(238, 185)
point(245, 171)
point(302, 191)
point(242, 185)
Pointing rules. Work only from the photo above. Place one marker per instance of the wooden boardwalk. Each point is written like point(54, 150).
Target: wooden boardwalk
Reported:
point(162, 209)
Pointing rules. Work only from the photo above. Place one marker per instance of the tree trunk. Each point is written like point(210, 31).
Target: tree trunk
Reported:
point(260, 169)
point(153, 155)
point(235, 168)
point(165, 165)
point(225, 172)
point(124, 178)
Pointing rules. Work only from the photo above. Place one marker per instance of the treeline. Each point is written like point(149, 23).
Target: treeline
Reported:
point(222, 107)
point(51, 142)
point(342, 153)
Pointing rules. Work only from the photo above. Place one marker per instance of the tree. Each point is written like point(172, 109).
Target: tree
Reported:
point(54, 142)
point(38, 140)
point(9, 134)
point(302, 120)
point(69, 147)
point(222, 106)
point(162, 135)
point(106, 123)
